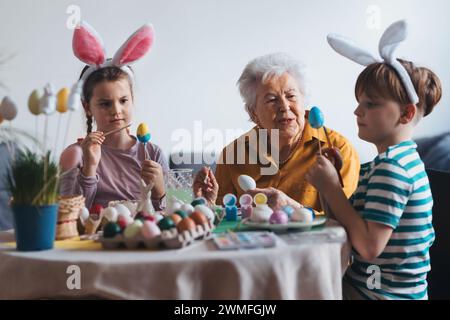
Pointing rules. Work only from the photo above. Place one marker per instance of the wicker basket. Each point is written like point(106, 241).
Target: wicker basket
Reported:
point(68, 214)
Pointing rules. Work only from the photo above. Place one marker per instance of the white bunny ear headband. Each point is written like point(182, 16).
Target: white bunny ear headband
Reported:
point(88, 47)
point(391, 38)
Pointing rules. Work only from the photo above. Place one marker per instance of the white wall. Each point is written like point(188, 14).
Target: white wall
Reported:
point(203, 45)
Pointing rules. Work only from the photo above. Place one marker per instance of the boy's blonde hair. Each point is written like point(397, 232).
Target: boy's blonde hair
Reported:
point(380, 80)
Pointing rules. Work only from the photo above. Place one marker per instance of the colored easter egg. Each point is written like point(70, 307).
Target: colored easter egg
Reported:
point(143, 134)
point(199, 200)
point(62, 99)
point(187, 208)
point(166, 223)
point(96, 209)
point(198, 217)
point(288, 210)
point(246, 182)
point(176, 218)
point(207, 212)
point(133, 229)
point(111, 229)
point(229, 200)
point(8, 109)
point(33, 102)
point(123, 222)
point(181, 213)
point(186, 224)
point(315, 118)
point(150, 230)
point(302, 215)
point(260, 199)
point(279, 217)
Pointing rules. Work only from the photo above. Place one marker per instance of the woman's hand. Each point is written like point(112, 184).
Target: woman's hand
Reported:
point(276, 199)
point(323, 176)
point(92, 152)
point(152, 173)
point(205, 185)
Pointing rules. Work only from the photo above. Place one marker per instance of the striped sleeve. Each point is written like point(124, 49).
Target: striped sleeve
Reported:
point(388, 191)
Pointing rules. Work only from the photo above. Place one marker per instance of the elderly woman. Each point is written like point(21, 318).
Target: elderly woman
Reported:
point(272, 89)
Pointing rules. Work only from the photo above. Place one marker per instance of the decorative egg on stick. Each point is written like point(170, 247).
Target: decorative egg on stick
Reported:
point(315, 118)
point(8, 109)
point(144, 136)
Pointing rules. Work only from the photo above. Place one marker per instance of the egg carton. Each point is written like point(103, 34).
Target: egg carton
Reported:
point(172, 239)
point(138, 242)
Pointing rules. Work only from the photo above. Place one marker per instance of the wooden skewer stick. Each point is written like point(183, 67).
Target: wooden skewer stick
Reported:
point(117, 130)
point(330, 145)
point(318, 139)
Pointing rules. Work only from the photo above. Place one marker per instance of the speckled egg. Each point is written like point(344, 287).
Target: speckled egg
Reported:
point(186, 224)
point(150, 230)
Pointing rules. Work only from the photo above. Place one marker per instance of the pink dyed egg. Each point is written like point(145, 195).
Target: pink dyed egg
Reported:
point(150, 230)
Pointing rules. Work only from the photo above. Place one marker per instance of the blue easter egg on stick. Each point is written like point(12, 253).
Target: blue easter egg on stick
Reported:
point(315, 118)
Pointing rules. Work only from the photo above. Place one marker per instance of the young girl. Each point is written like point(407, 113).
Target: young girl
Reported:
point(388, 218)
point(110, 167)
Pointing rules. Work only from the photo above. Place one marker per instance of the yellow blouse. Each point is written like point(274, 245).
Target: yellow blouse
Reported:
point(289, 177)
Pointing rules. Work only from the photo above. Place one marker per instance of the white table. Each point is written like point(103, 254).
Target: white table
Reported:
point(310, 268)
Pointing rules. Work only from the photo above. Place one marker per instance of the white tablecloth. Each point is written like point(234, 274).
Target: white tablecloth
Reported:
point(307, 265)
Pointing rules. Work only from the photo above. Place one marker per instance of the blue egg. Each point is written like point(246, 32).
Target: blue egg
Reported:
point(145, 138)
point(315, 118)
point(288, 210)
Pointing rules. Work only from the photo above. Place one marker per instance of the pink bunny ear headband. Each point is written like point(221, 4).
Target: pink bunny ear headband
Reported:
point(391, 38)
point(88, 47)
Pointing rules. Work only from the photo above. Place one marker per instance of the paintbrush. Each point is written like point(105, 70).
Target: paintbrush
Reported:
point(117, 130)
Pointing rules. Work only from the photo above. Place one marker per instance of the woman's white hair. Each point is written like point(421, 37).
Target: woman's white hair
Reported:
point(263, 68)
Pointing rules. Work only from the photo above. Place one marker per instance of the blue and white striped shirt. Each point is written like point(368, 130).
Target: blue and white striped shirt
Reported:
point(393, 190)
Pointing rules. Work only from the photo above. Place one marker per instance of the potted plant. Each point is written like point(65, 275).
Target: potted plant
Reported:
point(33, 184)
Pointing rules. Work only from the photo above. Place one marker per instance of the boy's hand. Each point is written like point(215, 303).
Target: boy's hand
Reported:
point(323, 176)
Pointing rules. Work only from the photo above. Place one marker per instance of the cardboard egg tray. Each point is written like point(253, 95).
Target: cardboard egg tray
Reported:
point(170, 239)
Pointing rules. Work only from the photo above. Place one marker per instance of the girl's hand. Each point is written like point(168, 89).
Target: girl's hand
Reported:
point(152, 173)
point(323, 176)
point(276, 199)
point(205, 185)
point(92, 152)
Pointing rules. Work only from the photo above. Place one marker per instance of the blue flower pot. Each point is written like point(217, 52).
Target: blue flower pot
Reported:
point(35, 227)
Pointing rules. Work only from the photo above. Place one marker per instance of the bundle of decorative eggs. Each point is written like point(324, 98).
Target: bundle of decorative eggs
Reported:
point(181, 224)
point(262, 213)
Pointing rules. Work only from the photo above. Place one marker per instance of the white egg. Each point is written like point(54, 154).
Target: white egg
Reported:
point(158, 217)
point(302, 215)
point(8, 109)
point(122, 210)
point(84, 215)
point(206, 211)
point(111, 214)
point(261, 213)
point(131, 205)
point(246, 182)
point(187, 208)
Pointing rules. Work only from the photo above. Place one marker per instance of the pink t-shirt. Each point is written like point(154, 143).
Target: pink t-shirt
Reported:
point(118, 175)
